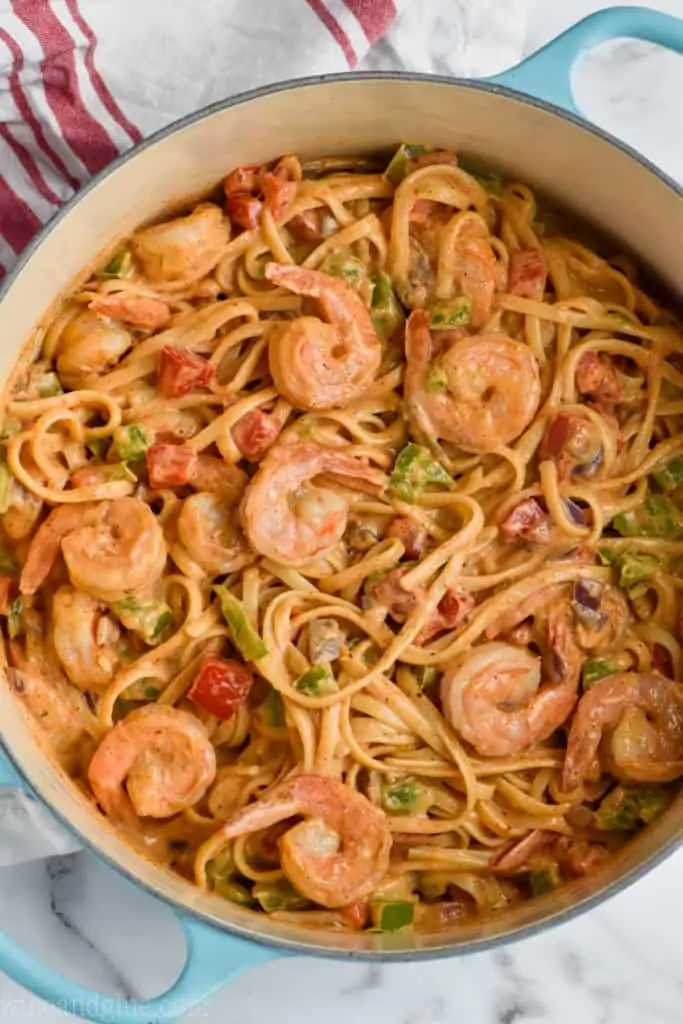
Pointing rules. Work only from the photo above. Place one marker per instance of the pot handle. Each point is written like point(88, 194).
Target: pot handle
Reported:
point(547, 74)
point(213, 959)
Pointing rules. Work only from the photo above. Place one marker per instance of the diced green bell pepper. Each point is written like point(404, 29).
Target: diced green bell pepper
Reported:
point(405, 796)
point(413, 470)
point(342, 263)
point(14, 618)
point(636, 567)
point(120, 265)
point(245, 638)
point(625, 808)
point(488, 179)
point(131, 442)
point(436, 378)
point(48, 385)
point(545, 879)
point(595, 669)
point(318, 681)
point(399, 166)
point(279, 896)
point(658, 516)
point(387, 312)
point(392, 916)
point(446, 315)
point(669, 475)
point(150, 620)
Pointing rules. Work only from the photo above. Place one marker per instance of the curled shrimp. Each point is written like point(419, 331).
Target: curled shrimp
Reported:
point(288, 518)
point(162, 755)
point(90, 346)
point(497, 701)
point(479, 394)
point(644, 716)
point(85, 637)
point(112, 549)
point(209, 531)
point(337, 855)
point(142, 311)
point(187, 247)
point(323, 364)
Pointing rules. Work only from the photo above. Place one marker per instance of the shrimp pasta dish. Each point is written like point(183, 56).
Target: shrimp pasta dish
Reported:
point(340, 524)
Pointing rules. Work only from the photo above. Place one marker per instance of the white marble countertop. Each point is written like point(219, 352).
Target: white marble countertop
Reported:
point(621, 964)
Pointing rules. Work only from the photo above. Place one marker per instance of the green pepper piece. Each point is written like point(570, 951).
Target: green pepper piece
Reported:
point(545, 879)
point(131, 442)
point(279, 896)
point(273, 709)
point(658, 516)
point(342, 263)
point(387, 312)
point(446, 315)
point(390, 916)
point(608, 556)
point(399, 166)
point(235, 892)
point(405, 796)
point(245, 638)
point(426, 676)
point(6, 479)
point(14, 618)
point(150, 620)
point(436, 378)
point(413, 470)
point(625, 808)
point(488, 179)
point(120, 265)
point(595, 669)
point(669, 475)
point(98, 446)
point(318, 681)
point(636, 568)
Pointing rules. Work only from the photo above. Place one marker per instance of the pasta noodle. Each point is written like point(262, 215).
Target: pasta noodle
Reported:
point(341, 524)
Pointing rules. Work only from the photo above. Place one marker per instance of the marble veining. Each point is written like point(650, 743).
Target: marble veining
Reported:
point(622, 963)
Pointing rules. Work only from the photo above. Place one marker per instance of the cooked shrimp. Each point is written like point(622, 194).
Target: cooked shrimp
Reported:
point(90, 346)
point(22, 513)
point(476, 272)
point(480, 394)
point(162, 755)
point(186, 247)
point(644, 714)
point(337, 855)
point(288, 518)
point(139, 310)
point(210, 533)
point(112, 549)
point(85, 638)
point(323, 364)
point(497, 701)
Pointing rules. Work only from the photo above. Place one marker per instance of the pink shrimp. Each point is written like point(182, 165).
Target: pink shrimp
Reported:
point(164, 757)
point(643, 714)
point(323, 364)
point(288, 518)
point(481, 393)
point(142, 311)
point(338, 855)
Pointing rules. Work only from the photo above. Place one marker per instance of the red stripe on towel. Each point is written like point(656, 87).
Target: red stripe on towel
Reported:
point(19, 223)
point(335, 30)
point(373, 16)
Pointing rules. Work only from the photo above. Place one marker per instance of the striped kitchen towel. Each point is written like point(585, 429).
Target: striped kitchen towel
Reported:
point(83, 80)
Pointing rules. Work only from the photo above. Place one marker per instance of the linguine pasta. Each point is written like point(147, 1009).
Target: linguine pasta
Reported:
point(340, 524)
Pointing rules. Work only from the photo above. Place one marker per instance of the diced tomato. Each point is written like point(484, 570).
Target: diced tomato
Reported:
point(579, 856)
point(527, 521)
point(244, 210)
point(573, 442)
point(170, 465)
point(452, 609)
point(6, 588)
point(388, 594)
point(528, 274)
point(243, 179)
point(221, 686)
point(278, 192)
point(180, 372)
point(597, 377)
point(356, 915)
point(254, 433)
point(411, 534)
point(516, 857)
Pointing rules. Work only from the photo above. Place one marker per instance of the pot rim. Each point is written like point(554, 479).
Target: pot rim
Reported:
point(523, 931)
